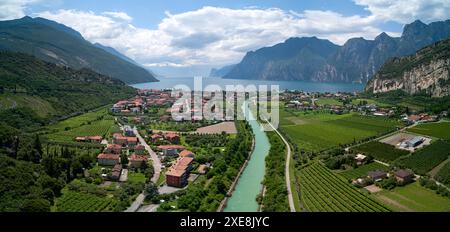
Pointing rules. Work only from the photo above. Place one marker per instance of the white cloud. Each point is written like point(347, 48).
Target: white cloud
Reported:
point(13, 9)
point(406, 11)
point(218, 36)
point(211, 35)
point(119, 15)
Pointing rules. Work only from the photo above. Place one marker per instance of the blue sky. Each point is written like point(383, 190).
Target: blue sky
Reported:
point(150, 13)
point(180, 37)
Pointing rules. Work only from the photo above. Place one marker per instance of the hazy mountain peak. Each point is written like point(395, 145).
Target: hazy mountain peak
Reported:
point(382, 36)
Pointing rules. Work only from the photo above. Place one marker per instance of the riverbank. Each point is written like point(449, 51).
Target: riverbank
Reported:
point(249, 186)
point(223, 204)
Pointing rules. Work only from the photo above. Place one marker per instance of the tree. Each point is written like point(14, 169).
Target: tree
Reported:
point(124, 160)
point(36, 205)
point(37, 147)
point(151, 192)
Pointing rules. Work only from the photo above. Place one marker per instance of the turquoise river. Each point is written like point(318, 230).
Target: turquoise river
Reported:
point(249, 184)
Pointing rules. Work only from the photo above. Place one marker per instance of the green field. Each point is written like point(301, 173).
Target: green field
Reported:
point(320, 130)
point(328, 101)
point(136, 177)
point(362, 170)
point(414, 197)
point(380, 151)
point(323, 191)
point(369, 101)
point(423, 160)
point(438, 130)
point(88, 124)
point(72, 201)
point(81, 120)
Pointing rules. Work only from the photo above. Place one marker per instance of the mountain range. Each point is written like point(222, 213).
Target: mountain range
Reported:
point(426, 72)
point(59, 44)
point(319, 60)
point(34, 92)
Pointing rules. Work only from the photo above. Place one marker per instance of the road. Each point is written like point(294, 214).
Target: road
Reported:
point(154, 157)
point(286, 171)
point(136, 203)
point(157, 167)
point(149, 208)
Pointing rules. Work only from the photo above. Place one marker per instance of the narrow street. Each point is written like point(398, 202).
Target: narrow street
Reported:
point(154, 157)
point(157, 167)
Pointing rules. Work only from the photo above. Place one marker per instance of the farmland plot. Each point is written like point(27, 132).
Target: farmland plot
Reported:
point(427, 158)
point(323, 191)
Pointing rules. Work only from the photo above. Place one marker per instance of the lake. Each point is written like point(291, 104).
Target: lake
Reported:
point(167, 83)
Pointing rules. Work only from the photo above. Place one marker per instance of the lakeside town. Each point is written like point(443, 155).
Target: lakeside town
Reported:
point(149, 138)
point(224, 115)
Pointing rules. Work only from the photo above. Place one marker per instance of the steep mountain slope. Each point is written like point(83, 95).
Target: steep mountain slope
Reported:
point(295, 59)
point(220, 72)
point(427, 71)
point(114, 52)
point(355, 61)
point(62, 45)
point(34, 92)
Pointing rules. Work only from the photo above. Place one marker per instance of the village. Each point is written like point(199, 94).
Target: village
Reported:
point(344, 103)
point(150, 138)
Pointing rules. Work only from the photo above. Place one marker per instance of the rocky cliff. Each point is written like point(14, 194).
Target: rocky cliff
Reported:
point(427, 71)
point(314, 59)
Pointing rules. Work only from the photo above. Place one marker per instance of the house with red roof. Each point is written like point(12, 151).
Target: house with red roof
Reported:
point(186, 153)
point(178, 173)
point(108, 159)
point(92, 139)
point(170, 150)
point(118, 138)
point(139, 149)
point(172, 138)
point(136, 161)
point(113, 149)
point(155, 137)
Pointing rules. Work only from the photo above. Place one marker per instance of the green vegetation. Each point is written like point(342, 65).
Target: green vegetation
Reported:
point(156, 124)
point(275, 198)
point(362, 170)
point(59, 44)
point(443, 174)
point(409, 103)
point(438, 130)
point(396, 67)
point(41, 107)
point(98, 122)
point(431, 184)
point(205, 140)
point(324, 191)
point(425, 159)
point(206, 194)
point(328, 101)
point(413, 197)
point(24, 186)
point(365, 101)
point(320, 131)
point(72, 201)
point(30, 86)
point(135, 177)
point(380, 151)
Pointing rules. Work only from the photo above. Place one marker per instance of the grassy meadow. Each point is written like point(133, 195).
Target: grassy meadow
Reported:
point(438, 130)
point(321, 130)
